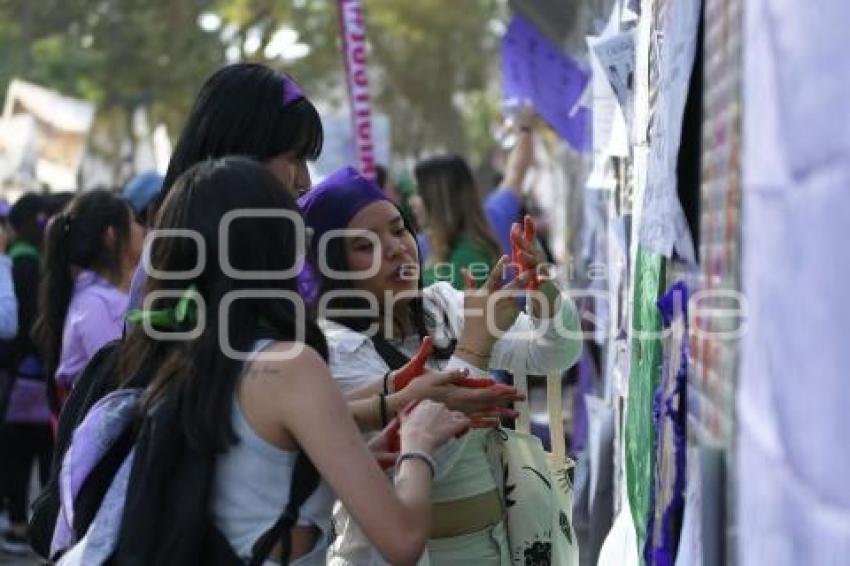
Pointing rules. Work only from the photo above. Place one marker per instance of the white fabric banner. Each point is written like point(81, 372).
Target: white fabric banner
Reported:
point(792, 449)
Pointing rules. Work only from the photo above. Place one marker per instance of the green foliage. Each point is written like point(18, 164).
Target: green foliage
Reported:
point(65, 65)
point(480, 111)
point(430, 58)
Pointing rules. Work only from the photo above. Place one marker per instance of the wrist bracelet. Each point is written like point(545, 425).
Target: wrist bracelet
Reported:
point(422, 456)
point(387, 382)
point(382, 402)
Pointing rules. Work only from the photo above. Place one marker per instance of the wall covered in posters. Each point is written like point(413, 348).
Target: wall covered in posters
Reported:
point(729, 442)
point(679, 391)
point(663, 194)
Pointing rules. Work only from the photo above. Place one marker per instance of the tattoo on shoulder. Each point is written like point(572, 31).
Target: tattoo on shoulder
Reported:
point(264, 370)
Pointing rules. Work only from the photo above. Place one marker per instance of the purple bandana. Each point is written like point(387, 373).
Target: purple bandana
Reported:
point(331, 204)
point(291, 91)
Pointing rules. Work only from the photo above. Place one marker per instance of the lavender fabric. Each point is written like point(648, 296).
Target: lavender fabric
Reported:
point(503, 207)
point(332, 204)
point(308, 284)
point(95, 317)
point(538, 70)
point(424, 247)
point(28, 397)
point(103, 425)
point(8, 299)
point(99, 542)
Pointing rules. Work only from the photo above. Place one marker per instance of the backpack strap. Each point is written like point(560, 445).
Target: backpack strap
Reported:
point(391, 355)
point(305, 479)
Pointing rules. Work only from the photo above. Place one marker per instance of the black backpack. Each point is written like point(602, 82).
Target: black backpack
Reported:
point(95, 381)
point(165, 519)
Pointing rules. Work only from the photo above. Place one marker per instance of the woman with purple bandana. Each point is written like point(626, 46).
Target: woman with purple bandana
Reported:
point(250, 110)
point(375, 266)
point(256, 415)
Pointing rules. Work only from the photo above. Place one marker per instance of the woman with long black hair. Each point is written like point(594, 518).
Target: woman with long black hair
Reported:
point(253, 382)
point(91, 250)
point(251, 110)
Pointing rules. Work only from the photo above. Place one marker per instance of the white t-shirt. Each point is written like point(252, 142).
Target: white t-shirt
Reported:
point(530, 346)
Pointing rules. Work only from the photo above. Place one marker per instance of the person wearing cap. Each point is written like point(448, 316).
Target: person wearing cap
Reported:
point(377, 264)
point(142, 192)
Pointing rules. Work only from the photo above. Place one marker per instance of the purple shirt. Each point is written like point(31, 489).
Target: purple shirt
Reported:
point(503, 208)
point(95, 317)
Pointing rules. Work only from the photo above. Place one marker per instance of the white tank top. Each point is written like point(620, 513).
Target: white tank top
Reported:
point(252, 486)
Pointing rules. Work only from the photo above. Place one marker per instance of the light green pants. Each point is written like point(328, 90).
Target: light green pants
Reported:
point(488, 547)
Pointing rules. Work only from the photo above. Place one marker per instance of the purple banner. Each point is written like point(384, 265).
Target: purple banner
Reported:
point(534, 68)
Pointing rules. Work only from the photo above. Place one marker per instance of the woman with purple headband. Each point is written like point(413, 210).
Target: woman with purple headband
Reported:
point(377, 316)
point(250, 110)
point(253, 111)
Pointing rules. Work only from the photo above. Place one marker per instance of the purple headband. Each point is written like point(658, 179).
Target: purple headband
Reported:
point(331, 204)
point(291, 91)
